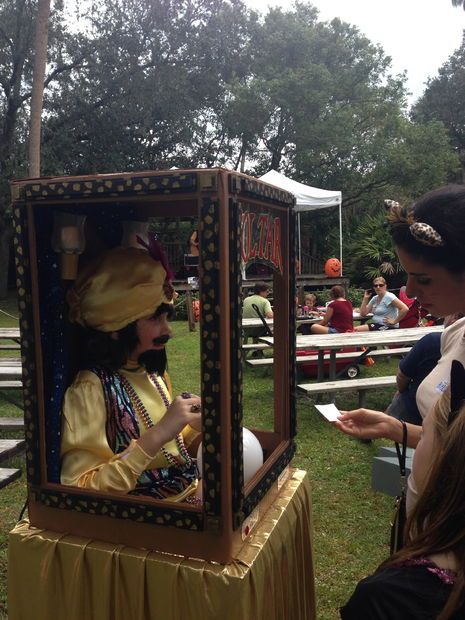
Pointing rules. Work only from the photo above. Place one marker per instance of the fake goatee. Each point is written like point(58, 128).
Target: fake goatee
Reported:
point(154, 361)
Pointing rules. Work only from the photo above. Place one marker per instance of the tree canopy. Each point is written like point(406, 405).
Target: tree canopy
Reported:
point(155, 83)
point(443, 100)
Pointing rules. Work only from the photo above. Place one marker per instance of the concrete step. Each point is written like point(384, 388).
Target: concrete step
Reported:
point(385, 474)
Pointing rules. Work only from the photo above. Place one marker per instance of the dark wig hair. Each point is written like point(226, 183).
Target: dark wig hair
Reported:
point(444, 210)
point(102, 349)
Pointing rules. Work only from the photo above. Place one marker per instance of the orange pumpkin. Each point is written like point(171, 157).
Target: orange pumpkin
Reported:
point(333, 268)
point(196, 310)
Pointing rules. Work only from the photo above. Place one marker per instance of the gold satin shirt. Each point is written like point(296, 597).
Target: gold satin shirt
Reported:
point(87, 460)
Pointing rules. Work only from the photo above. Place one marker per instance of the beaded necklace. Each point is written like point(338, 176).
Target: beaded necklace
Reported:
point(148, 422)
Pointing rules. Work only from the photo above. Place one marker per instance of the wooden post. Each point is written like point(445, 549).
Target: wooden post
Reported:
point(190, 310)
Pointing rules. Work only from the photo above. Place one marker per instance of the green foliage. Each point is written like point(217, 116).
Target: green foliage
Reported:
point(370, 252)
point(354, 294)
point(443, 100)
point(152, 89)
point(207, 82)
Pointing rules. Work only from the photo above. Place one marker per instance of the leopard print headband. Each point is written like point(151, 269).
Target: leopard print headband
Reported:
point(420, 231)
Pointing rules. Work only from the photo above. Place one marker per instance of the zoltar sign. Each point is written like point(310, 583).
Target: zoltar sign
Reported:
point(261, 239)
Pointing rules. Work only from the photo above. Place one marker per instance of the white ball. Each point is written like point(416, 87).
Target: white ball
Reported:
point(252, 452)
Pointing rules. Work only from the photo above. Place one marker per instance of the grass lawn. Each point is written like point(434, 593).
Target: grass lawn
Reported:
point(350, 521)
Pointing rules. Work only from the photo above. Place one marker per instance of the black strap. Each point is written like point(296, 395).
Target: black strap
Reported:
point(263, 320)
point(401, 455)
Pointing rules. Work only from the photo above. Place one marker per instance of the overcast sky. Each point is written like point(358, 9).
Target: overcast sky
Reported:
point(419, 35)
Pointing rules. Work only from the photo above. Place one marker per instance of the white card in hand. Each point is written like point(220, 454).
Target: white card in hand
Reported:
point(330, 412)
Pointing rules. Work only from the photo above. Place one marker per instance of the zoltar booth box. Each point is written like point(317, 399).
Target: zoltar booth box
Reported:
point(244, 549)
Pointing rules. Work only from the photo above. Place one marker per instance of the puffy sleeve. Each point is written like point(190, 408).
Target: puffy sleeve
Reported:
point(87, 460)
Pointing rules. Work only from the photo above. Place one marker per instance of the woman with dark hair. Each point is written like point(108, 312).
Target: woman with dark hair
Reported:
point(426, 579)
point(339, 315)
point(429, 240)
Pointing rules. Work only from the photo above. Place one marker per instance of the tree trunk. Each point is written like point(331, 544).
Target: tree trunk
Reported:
point(37, 98)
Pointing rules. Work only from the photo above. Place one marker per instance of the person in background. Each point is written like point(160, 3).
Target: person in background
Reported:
point(415, 312)
point(193, 243)
point(413, 368)
point(310, 302)
point(339, 315)
point(426, 578)
point(309, 309)
point(387, 309)
point(259, 299)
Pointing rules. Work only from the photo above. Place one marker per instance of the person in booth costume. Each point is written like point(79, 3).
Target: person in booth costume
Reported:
point(122, 432)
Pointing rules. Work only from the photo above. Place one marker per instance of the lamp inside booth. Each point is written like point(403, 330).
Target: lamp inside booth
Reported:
point(69, 241)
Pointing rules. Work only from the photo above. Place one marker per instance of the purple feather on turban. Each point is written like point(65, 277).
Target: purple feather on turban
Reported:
point(155, 251)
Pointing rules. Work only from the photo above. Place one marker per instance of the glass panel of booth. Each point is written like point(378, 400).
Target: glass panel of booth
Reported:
point(261, 235)
point(265, 391)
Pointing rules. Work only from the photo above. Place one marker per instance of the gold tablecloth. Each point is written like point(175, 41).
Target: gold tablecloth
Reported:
point(53, 575)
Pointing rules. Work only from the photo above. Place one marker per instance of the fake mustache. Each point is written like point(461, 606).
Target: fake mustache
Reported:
point(161, 340)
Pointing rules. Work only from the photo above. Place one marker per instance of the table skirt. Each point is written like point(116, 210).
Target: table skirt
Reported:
point(66, 577)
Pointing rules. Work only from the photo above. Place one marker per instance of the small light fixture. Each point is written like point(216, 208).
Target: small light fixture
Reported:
point(69, 241)
point(133, 229)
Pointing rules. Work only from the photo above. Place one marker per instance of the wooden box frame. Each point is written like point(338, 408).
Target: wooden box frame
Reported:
point(236, 215)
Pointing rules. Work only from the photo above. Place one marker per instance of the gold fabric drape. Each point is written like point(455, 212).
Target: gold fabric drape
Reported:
point(52, 575)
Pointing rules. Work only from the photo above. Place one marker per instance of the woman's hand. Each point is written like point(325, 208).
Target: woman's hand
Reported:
point(365, 306)
point(366, 424)
point(388, 321)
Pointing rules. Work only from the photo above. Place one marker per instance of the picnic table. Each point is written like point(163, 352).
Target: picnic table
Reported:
point(369, 340)
point(300, 320)
point(258, 322)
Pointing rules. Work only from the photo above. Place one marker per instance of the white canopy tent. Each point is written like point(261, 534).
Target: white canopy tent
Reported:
point(307, 199)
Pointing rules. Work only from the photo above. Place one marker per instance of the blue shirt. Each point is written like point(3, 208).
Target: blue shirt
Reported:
point(417, 364)
point(383, 308)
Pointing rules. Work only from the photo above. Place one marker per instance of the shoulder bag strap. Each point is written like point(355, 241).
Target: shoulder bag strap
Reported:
point(401, 455)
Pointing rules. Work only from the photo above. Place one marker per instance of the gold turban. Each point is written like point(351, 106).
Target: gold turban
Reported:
point(121, 286)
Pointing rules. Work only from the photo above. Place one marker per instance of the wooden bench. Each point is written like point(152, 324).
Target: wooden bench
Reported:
point(347, 385)
point(10, 367)
point(8, 449)
point(11, 385)
point(11, 424)
point(8, 475)
point(256, 346)
point(10, 347)
point(301, 359)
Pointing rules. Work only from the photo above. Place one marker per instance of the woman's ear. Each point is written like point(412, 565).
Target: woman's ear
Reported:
point(114, 336)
